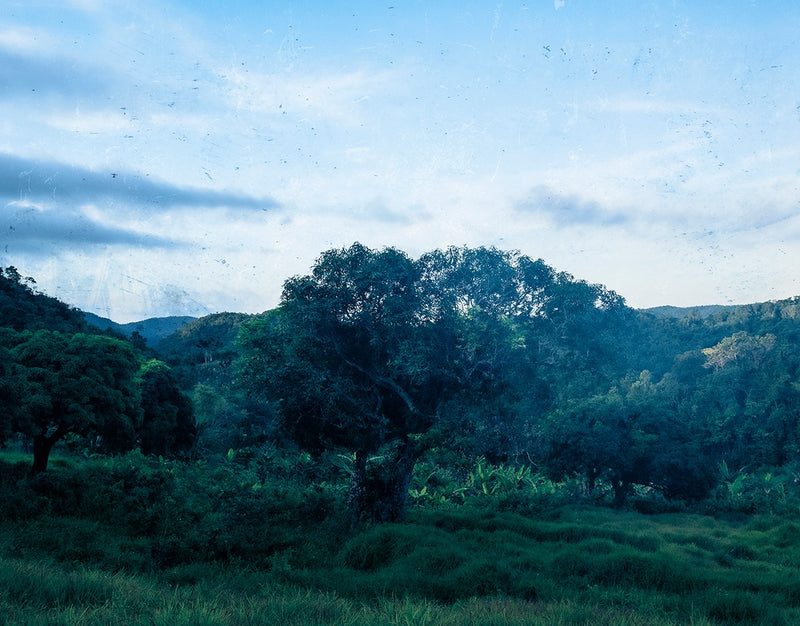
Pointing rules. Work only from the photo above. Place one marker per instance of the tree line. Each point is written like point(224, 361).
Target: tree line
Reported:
point(458, 355)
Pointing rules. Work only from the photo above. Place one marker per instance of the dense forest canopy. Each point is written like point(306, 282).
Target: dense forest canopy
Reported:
point(387, 361)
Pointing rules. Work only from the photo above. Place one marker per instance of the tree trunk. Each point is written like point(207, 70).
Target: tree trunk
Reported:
point(393, 496)
point(621, 488)
point(356, 492)
point(42, 445)
point(382, 496)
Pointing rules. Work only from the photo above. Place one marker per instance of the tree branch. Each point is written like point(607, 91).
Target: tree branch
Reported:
point(382, 381)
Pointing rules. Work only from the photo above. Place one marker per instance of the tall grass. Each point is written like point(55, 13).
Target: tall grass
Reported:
point(47, 593)
point(142, 541)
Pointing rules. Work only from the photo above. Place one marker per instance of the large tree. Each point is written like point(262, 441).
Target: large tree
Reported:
point(72, 383)
point(357, 358)
point(366, 351)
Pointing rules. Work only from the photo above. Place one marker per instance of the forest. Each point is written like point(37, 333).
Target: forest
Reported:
point(467, 437)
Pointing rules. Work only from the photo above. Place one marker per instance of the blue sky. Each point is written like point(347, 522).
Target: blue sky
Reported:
point(164, 158)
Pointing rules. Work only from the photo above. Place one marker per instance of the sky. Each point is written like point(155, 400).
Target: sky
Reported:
point(186, 157)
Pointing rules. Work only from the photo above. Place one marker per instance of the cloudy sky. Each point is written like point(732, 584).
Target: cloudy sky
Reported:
point(166, 158)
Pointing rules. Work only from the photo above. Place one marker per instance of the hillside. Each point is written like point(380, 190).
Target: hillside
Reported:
point(679, 312)
point(153, 329)
point(23, 307)
point(579, 385)
point(207, 338)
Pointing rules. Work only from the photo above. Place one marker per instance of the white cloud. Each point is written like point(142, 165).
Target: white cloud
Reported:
point(633, 104)
point(92, 122)
point(339, 97)
point(21, 39)
point(627, 187)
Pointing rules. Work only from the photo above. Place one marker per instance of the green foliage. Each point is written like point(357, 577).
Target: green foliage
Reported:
point(376, 352)
point(132, 539)
point(202, 351)
point(765, 491)
point(740, 347)
point(168, 425)
point(504, 399)
point(72, 383)
point(24, 308)
point(635, 434)
point(187, 513)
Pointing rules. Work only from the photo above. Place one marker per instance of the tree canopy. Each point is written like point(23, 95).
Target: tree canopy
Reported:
point(167, 424)
point(72, 383)
point(59, 378)
point(365, 352)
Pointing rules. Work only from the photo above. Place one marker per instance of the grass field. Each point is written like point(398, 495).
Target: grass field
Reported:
point(207, 547)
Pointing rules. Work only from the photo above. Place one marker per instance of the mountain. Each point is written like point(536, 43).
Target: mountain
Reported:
point(204, 349)
point(153, 329)
point(698, 312)
point(205, 339)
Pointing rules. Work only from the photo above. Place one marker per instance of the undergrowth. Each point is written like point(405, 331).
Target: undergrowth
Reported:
point(143, 541)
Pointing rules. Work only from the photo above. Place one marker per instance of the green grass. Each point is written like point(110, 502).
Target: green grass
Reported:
point(48, 593)
point(138, 541)
point(591, 566)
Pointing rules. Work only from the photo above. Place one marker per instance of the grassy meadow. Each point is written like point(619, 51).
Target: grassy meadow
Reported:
point(132, 540)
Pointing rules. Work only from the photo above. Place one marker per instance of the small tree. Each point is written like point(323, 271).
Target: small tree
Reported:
point(168, 426)
point(72, 383)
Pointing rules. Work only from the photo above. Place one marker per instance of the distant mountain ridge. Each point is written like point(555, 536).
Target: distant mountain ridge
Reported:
point(156, 329)
point(702, 311)
point(153, 329)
